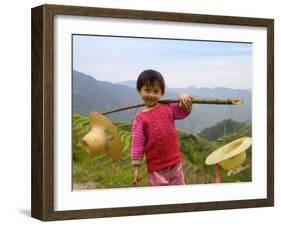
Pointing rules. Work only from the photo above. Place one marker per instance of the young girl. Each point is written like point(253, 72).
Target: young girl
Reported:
point(155, 134)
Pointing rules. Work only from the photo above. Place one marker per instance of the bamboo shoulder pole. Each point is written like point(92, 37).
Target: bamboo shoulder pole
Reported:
point(194, 101)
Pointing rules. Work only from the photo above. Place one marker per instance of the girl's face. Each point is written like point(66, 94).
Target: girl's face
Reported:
point(151, 95)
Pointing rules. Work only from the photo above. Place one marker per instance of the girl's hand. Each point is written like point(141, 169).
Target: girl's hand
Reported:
point(185, 102)
point(136, 178)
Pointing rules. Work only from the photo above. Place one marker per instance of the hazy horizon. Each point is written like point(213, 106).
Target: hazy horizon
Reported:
point(167, 86)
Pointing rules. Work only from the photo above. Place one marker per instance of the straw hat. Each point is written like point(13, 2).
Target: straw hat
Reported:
point(230, 155)
point(103, 137)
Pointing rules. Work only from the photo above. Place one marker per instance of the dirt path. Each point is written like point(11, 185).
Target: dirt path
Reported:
point(87, 185)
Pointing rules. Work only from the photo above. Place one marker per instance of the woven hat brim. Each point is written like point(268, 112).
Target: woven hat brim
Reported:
point(114, 145)
point(229, 150)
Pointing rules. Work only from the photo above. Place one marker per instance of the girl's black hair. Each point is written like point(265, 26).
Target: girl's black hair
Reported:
point(150, 78)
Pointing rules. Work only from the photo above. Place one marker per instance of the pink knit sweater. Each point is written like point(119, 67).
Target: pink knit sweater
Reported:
point(155, 136)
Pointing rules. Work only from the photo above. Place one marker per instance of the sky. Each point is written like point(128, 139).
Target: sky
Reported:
point(183, 63)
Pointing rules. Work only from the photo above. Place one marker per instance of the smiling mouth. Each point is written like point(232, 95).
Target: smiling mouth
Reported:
point(150, 102)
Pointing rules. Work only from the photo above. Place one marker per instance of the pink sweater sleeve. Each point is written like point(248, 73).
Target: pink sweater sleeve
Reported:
point(178, 112)
point(138, 140)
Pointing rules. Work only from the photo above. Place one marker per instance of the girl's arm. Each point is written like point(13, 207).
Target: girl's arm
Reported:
point(138, 140)
point(177, 112)
point(137, 149)
point(185, 102)
point(181, 110)
point(136, 175)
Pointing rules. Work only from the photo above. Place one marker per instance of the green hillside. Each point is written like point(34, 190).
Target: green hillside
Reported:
point(244, 130)
point(99, 171)
point(216, 131)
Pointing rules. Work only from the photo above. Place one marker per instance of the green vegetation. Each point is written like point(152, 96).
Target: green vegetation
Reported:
point(99, 171)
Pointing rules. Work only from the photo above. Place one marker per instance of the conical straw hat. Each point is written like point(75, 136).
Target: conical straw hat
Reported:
point(230, 155)
point(103, 137)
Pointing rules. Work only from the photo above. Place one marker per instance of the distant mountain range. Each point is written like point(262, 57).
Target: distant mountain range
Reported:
point(89, 94)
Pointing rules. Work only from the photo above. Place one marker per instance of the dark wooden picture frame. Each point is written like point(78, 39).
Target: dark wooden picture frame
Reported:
point(42, 203)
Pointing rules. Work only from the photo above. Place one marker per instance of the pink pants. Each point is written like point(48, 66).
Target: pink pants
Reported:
point(172, 175)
